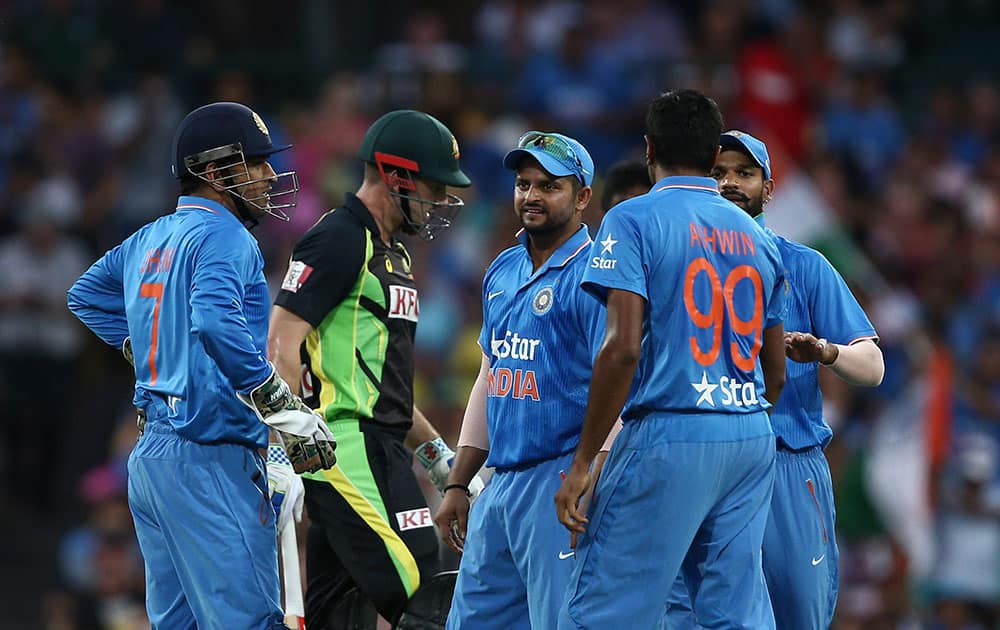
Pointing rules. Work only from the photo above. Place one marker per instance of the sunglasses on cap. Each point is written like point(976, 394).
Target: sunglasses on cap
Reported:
point(552, 144)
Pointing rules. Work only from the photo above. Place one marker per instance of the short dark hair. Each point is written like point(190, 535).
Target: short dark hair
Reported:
point(623, 176)
point(684, 127)
point(190, 184)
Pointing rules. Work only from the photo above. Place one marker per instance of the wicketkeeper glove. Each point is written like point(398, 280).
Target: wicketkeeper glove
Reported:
point(127, 351)
point(437, 458)
point(307, 439)
point(284, 486)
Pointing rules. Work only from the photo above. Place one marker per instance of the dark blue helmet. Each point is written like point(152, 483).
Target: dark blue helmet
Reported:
point(229, 134)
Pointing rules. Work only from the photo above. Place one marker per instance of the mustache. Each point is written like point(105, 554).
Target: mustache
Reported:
point(734, 195)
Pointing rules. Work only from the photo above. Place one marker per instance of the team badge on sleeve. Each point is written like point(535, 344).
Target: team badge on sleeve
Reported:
point(298, 273)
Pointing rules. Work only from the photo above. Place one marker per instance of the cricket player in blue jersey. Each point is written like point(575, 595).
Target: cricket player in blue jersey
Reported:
point(186, 300)
point(538, 334)
point(824, 325)
point(695, 295)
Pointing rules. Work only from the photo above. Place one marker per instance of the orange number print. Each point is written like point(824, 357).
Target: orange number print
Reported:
point(713, 318)
point(755, 325)
point(153, 290)
point(721, 307)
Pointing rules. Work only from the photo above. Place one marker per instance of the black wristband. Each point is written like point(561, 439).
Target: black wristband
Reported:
point(461, 486)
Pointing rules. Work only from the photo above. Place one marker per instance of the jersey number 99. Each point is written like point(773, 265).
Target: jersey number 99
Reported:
point(722, 307)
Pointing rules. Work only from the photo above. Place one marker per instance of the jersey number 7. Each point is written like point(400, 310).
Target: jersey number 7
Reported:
point(153, 290)
point(722, 306)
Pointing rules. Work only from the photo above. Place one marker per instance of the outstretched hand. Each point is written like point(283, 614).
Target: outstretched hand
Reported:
point(805, 348)
point(571, 514)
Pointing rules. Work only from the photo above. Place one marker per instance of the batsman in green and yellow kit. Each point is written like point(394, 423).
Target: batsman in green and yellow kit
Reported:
point(343, 328)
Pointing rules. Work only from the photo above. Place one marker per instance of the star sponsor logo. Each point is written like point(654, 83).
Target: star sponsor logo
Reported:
point(607, 245)
point(607, 248)
point(705, 389)
point(514, 346)
point(731, 392)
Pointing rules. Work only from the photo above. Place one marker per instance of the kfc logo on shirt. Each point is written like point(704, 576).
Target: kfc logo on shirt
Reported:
point(414, 519)
point(298, 273)
point(403, 303)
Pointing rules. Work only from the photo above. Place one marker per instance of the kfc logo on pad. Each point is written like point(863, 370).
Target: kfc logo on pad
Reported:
point(414, 519)
point(403, 303)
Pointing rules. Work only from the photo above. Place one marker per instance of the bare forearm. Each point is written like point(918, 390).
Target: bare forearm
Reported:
point(468, 461)
point(284, 343)
point(609, 388)
point(475, 431)
point(859, 364)
point(288, 369)
point(772, 360)
point(421, 431)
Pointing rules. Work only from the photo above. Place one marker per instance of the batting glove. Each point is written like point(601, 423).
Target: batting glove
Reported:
point(437, 458)
point(308, 442)
point(284, 486)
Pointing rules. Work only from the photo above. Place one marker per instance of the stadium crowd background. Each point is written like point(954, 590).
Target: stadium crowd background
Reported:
point(882, 119)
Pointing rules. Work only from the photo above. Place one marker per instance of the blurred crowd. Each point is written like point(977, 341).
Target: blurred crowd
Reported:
point(882, 119)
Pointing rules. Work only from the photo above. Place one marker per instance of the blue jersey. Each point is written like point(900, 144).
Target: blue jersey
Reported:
point(540, 332)
point(819, 303)
point(712, 280)
point(189, 289)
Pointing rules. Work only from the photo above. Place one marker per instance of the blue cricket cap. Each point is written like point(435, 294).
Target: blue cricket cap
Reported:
point(559, 155)
point(745, 142)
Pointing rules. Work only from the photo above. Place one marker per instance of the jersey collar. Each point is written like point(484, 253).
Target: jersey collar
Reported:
point(358, 208)
point(687, 182)
point(192, 203)
point(760, 220)
point(574, 246)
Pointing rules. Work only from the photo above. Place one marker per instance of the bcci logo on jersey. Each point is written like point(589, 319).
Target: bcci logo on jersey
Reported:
point(542, 301)
point(732, 393)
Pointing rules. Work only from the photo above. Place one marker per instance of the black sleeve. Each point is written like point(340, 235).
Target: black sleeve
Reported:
point(325, 267)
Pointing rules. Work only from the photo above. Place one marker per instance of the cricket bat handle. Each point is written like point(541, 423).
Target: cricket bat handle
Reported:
point(295, 614)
